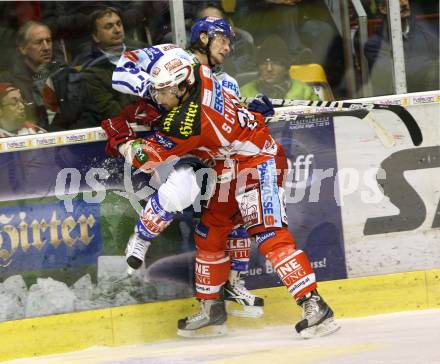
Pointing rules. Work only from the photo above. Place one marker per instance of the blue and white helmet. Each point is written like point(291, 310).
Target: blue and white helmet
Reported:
point(211, 26)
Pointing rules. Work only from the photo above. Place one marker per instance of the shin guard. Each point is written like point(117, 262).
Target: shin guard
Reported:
point(153, 219)
point(294, 269)
point(211, 271)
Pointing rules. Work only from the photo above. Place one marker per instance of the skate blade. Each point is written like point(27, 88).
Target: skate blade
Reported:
point(237, 310)
point(325, 328)
point(208, 331)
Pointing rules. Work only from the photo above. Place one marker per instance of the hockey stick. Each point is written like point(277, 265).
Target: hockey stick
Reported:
point(407, 119)
point(385, 137)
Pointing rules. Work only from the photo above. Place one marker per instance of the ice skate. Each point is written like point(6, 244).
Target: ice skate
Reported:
point(317, 317)
point(135, 252)
point(209, 321)
point(239, 301)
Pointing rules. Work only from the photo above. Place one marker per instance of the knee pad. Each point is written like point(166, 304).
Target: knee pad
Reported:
point(179, 190)
point(211, 271)
point(238, 247)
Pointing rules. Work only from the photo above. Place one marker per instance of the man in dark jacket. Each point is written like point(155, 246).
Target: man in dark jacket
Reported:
point(421, 50)
point(55, 95)
point(99, 62)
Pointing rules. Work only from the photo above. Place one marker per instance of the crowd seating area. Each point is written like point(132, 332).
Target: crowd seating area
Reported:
point(58, 57)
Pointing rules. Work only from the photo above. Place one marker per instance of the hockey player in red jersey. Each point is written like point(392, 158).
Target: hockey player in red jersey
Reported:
point(204, 119)
point(211, 42)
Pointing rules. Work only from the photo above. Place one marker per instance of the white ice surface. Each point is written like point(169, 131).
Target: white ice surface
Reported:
point(401, 338)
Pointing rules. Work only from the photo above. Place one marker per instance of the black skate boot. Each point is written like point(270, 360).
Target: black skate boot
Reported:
point(209, 321)
point(135, 252)
point(317, 317)
point(239, 301)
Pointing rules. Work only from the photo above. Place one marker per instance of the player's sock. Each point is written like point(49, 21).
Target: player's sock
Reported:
point(294, 269)
point(152, 221)
point(239, 301)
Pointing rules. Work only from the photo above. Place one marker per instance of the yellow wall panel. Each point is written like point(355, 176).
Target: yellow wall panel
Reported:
point(376, 294)
point(433, 288)
point(157, 321)
point(55, 334)
point(151, 321)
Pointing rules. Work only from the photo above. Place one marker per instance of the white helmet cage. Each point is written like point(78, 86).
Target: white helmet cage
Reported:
point(171, 70)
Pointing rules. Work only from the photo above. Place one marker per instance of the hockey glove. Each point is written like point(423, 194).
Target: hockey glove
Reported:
point(141, 112)
point(262, 105)
point(118, 131)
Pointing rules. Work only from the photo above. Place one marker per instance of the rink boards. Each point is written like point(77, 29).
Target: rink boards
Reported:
point(375, 253)
point(154, 322)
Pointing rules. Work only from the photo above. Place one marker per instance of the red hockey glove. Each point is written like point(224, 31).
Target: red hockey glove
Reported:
point(142, 113)
point(118, 131)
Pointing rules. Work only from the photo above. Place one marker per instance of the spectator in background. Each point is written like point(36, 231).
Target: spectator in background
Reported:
point(56, 95)
point(13, 120)
point(13, 15)
point(421, 51)
point(99, 63)
point(31, 69)
point(69, 20)
point(266, 17)
point(273, 61)
point(307, 28)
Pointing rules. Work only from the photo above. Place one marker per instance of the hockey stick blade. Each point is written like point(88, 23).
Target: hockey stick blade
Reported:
point(403, 114)
point(385, 136)
point(409, 121)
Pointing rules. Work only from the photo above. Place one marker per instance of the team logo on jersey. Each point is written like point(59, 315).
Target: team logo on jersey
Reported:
point(269, 194)
point(165, 142)
point(187, 125)
point(182, 121)
point(218, 101)
point(231, 86)
point(132, 55)
point(207, 97)
point(168, 120)
point(249, 205)
point(261, 238)
point(138, 151)
point(153, 53)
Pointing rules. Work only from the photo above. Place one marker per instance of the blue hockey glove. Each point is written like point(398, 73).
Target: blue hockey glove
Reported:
point(262, 105)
